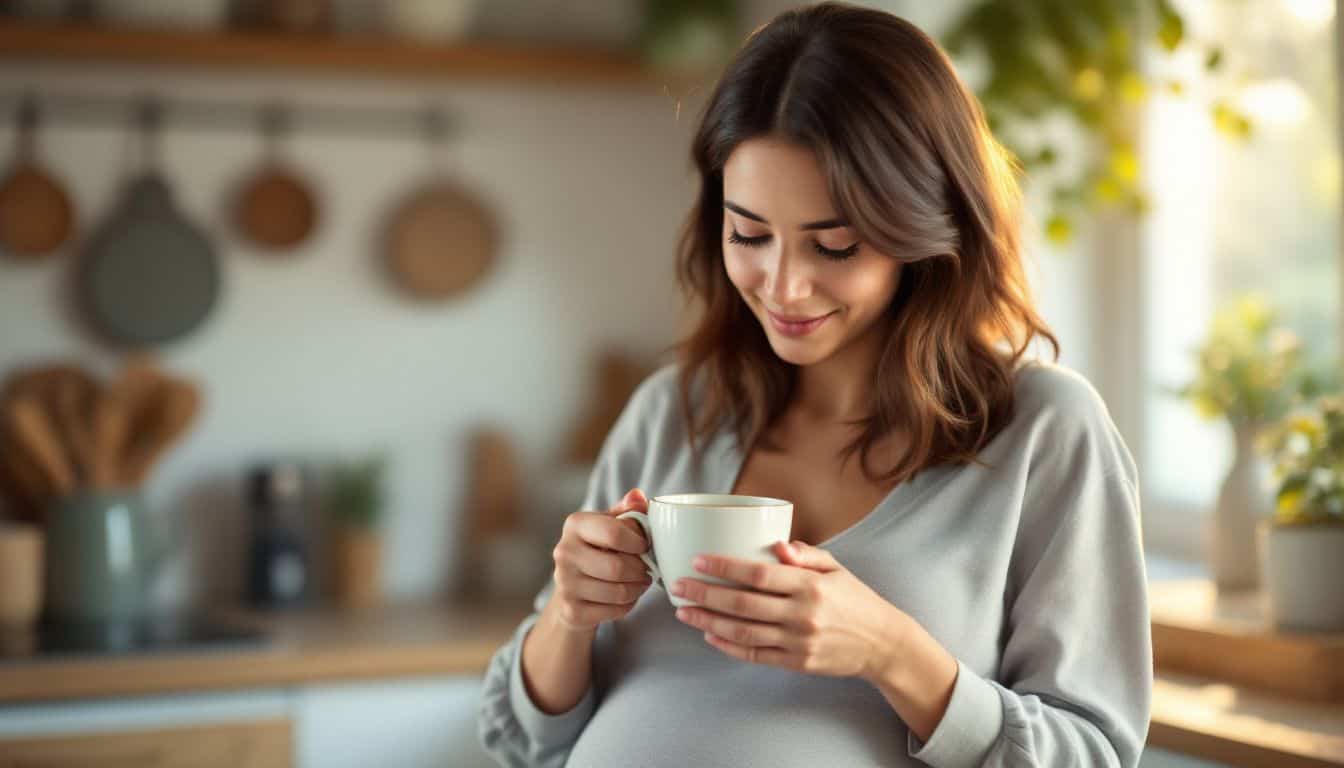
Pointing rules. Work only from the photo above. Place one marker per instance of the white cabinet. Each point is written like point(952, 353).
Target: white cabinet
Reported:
point(408, 723)
point(135, 714)
point(419, 723)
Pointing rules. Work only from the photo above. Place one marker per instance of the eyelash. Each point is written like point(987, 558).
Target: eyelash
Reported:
point(752, 242)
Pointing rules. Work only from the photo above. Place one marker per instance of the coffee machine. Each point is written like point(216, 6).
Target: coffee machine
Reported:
point(279, 563)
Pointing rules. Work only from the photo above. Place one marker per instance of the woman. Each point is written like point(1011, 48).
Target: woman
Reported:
point(965, 585)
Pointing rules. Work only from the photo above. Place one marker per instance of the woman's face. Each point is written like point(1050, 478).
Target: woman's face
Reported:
point(812, 285)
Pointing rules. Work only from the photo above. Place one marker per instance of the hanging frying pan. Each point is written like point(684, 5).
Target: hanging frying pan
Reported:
point(441, 240)
point(149, 276)
point(275, 209)
point(36, 215)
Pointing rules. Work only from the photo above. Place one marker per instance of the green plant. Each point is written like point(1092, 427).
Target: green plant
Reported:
point(1248, 367)
point(354, 492)
point(689, 35)
point(1078, 59)
point(1308, 448)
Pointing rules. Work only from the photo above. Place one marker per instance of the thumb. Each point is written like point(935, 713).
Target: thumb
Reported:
point(633, 499)
point(805, 555)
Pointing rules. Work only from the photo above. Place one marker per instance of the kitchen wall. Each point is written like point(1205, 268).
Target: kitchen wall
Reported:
point(313, 354)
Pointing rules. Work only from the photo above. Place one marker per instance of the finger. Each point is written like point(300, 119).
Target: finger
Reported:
point(774, 657)
point(609, 566)
point(601, 531)
point(633, 499)
point(607, 592)
point(740, 631)
point(805, 555)
point(735, 602)
point(767, 577)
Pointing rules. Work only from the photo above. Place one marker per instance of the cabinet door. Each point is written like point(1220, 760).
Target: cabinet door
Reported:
point(420, 723)
point(260, 744)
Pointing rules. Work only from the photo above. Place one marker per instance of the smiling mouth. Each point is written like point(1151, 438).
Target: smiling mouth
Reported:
point(799, 326)
point(800, 320)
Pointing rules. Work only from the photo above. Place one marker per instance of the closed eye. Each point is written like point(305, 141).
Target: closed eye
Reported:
point(759, 240)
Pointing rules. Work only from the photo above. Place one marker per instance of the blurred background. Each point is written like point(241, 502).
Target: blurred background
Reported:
point(314, 314)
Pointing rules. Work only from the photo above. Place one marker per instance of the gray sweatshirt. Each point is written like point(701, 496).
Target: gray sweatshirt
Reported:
point(1029, 571)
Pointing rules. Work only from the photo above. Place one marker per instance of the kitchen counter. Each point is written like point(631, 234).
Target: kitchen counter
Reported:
point(1241, 726)
point(300, 647)
point(1191, 715)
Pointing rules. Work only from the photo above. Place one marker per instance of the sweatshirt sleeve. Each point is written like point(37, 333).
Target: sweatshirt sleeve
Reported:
point(510, 726)
point(1075, 680)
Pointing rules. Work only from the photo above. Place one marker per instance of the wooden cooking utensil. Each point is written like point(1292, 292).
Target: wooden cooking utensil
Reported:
point(36, 215)
point(73, 413)
point(493, 507)
point(615, 376)
point(37, 437)
point(169, 418)
point(111, 423)
point(44, 381)
point(497, 491)
point(45, 384)
point(122, 416)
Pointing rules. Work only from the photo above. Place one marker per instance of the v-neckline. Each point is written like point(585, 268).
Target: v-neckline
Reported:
point(726, 468)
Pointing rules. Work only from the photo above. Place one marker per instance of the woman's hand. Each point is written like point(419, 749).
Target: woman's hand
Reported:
point(598, 574)
point(814, 616)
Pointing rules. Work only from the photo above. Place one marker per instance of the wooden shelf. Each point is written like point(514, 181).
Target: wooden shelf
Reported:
point(316, 645)
point(1246, 727)
point(1198, 631)
point(331, 54)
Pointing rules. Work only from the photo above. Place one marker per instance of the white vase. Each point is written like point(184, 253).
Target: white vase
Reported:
point(428, 20)
point(1243, 502)
point(1303, 570)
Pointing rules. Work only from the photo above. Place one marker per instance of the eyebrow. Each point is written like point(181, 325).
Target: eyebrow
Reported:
point(823, 224)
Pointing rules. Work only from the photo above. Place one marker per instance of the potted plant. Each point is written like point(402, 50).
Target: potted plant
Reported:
point(1244, 375)
point(1302, 545)
point(354, 500)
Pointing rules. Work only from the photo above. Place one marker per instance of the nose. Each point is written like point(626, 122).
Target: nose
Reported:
point(786, 278)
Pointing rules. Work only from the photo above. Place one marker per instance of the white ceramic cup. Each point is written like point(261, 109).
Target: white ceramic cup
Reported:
point(684, 525)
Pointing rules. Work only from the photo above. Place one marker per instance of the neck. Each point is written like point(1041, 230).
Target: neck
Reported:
point(839, 388)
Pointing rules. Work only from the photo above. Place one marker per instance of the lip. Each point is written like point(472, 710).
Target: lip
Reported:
point(793, 326)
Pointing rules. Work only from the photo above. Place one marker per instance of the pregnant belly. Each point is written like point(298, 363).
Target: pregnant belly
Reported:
point(727, 713)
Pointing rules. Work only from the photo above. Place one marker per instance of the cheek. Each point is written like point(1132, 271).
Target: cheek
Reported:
point(741, 268)
point(871, 286)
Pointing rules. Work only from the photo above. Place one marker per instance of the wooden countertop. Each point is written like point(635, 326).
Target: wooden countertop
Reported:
point(1241, 726)
point(303, 647)
point(1193, 715)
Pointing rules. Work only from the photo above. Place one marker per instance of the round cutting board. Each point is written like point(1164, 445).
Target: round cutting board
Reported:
point(440, 242)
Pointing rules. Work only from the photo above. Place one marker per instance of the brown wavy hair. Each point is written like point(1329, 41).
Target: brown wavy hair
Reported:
point(912, 165)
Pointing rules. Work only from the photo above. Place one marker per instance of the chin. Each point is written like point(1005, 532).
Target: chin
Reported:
point(801, 352)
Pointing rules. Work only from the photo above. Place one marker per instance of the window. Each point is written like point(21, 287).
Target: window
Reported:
point(1229, 217)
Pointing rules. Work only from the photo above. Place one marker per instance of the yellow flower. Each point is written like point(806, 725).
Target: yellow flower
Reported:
point(1124, 164)
point(1132, 88)
point(1254, 313)
point(1289, 502)
point(1089, 83)
point(1059, 229)
point(1107, 190)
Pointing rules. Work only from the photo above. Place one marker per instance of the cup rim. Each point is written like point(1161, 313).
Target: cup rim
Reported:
point(683, 500)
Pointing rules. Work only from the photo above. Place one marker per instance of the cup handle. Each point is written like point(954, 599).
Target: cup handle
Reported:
point(648, 558)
